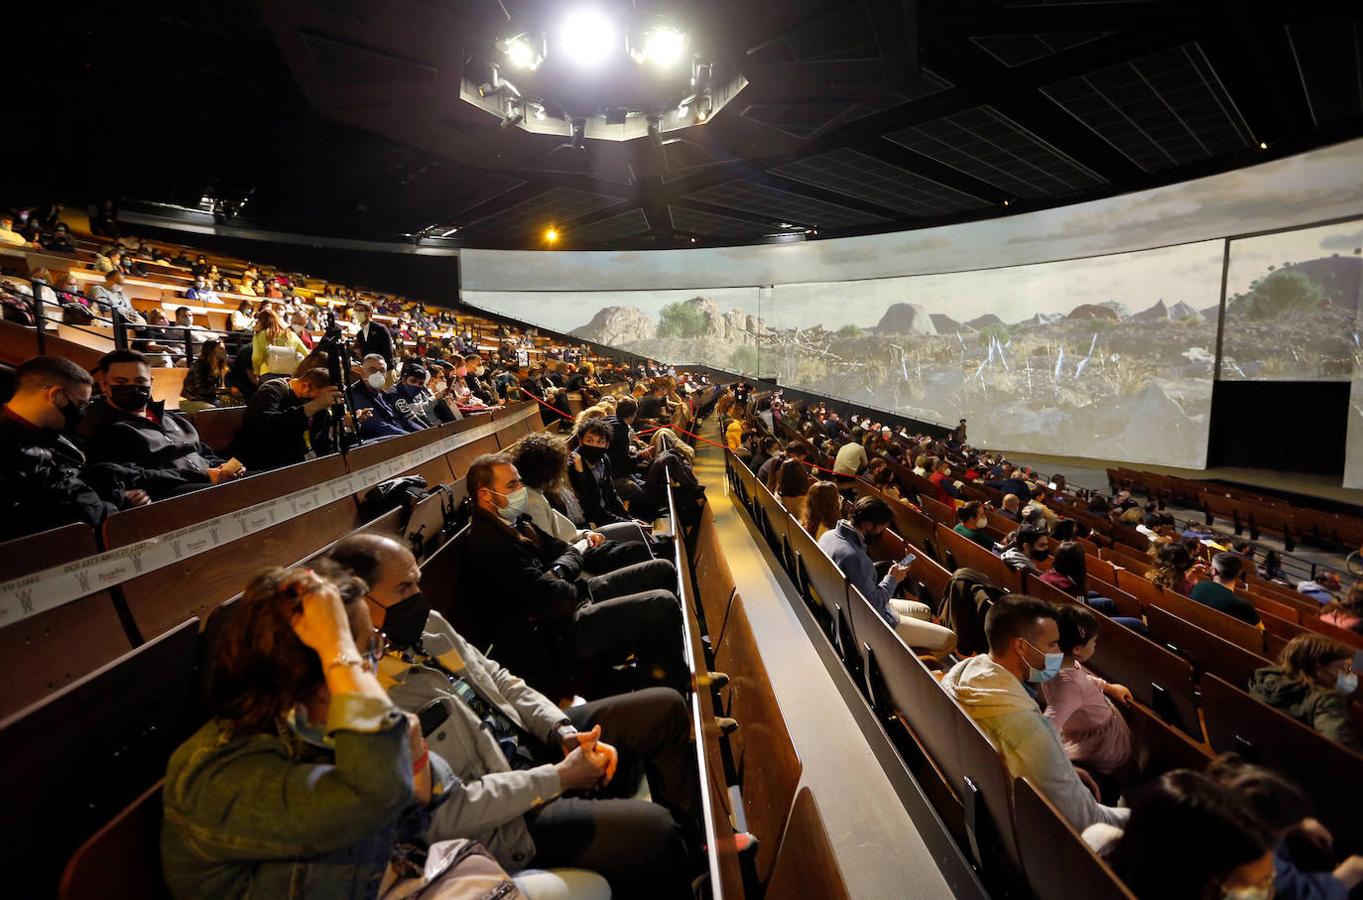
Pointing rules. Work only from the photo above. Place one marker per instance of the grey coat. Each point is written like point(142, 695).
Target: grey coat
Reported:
point(489, 801)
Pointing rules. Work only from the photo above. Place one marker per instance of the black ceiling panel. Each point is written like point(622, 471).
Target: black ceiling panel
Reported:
point(1329, 59)
point(799, 120)
point(782, 206)
point(556, 206)
point(707, 224)
point(1163, 110)
point(985, 144)
point(858, 116)
point(842, 34)
point(1015, 50)
point(862, 177)
point(630, 223)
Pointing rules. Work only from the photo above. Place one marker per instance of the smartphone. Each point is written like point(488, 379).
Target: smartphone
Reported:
point(907, 560)
point(432, 716)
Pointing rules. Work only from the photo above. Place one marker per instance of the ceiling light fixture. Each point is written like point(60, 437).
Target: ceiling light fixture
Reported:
point(551, 235)
point(522, 53)
point(663, 47)
point(587, 37)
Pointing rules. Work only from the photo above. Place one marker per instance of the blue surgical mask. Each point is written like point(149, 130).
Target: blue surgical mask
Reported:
point(515, 504)
point(1041, 676)
point(1346, 683)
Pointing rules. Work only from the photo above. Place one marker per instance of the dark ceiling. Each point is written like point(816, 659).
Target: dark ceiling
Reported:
point(342, 117)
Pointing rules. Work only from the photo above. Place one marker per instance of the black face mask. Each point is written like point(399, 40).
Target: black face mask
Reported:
point(1038, 554)
point(592, 455)
point(72, 412)
point(405, 621)
point(130, 397)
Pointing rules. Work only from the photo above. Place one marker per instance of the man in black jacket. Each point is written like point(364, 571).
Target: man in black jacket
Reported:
point(528, 580)
point(44, 479)
point(592, 477)
point(374, 337)
point(287, 421)
point(124, 426)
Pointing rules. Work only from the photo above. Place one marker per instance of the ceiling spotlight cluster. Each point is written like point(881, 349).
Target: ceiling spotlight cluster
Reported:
point(589, 38)
point(599, 72)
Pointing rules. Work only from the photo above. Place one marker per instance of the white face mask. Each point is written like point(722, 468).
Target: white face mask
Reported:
point(1346, 683)
point(480, 370)
point(376, 380)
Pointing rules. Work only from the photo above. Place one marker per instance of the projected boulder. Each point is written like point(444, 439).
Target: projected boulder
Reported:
point(616, 325)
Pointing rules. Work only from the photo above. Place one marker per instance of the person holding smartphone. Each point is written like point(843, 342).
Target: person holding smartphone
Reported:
point(846, 545)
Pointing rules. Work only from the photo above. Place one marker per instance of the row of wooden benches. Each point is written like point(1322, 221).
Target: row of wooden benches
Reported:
point(1184, 712)
point(1246, 510)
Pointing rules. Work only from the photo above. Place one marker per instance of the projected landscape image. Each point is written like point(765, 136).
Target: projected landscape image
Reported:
point(1292, 305)
point(1111, 356)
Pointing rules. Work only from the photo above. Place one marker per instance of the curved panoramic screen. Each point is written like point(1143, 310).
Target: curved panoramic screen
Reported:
point(1292, 302)
point(1110, 353)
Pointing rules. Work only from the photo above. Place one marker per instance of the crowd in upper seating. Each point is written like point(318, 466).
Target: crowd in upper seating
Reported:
point(1016, 664)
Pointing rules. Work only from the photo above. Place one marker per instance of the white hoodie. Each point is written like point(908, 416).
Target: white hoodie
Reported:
point(1009, 717)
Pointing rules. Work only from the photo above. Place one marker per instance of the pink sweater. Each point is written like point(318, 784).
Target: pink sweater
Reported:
point(1094, 733)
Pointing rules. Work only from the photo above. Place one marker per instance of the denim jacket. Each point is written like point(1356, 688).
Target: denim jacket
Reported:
point(277, 815)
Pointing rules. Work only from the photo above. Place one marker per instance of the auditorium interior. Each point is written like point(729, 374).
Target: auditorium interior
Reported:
point(643, 449)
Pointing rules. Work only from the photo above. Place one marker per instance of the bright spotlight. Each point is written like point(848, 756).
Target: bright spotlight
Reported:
point(522, 54)
point(587, 37)
point(551, 235)
point(663, 47)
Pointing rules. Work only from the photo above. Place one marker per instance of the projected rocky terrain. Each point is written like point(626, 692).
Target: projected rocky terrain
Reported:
point(1315, 301)
point(1101, 379)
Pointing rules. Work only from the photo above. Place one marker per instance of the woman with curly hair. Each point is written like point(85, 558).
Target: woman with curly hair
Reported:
point(823, 508)
point(1170, 571)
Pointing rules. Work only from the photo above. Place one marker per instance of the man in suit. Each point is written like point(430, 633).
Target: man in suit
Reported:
point(374, 337)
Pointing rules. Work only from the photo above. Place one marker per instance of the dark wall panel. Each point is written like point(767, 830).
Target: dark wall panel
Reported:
point(1291, 426)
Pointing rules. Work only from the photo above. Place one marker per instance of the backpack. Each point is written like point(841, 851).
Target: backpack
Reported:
point(963, 607)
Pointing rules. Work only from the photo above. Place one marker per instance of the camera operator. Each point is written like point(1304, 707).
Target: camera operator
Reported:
point(289, 420)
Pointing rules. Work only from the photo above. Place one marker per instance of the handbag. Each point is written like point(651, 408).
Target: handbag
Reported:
point(457, 870)
point(281, 360)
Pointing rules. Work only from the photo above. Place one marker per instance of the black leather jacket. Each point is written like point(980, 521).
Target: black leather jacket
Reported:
point(167, 442)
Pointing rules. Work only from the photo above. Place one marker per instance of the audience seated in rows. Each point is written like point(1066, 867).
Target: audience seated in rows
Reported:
point(1024, 649)
point(1219, 591)
point(547, 618)
point(971, 522)
point(124, 425)
point(1312, 683)
point(1082, 706)
point(846, 545)
point(592, 478)
point(1028, 549)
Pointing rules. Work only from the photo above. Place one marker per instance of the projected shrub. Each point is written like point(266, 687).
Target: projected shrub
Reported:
point(681, 320)
point(1292, 302)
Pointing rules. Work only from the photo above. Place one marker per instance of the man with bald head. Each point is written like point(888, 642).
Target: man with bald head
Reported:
point(537, 786)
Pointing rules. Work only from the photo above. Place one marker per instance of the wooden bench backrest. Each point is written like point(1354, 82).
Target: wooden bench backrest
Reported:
point(967, 553)
point(764, 754)
point(1328, 773)
point(121, 861)
point(1207, 652)
point(1057, 862)
point(75, 759)
point(806, 864)
point(49, 650)
point(1213, 620)
point(218, 427)
point(1157, 678)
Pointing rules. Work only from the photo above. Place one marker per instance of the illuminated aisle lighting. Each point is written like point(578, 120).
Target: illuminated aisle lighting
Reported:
point(587, 37)
point(663, 47)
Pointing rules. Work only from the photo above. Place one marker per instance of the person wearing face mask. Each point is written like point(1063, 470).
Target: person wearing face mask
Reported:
point(1030, 547)
point(1083, 707)
point(592, 478)
point(1024, 648)
point(473, 377)
point(412, 400)
point(383, 418)
point(373, 337)
point(846, 546)
point(972, 522)
point(947, 491)
point(543, 615)
point(1313, 683)
point(44, 478)
point(531, 778)
point(125, 426)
